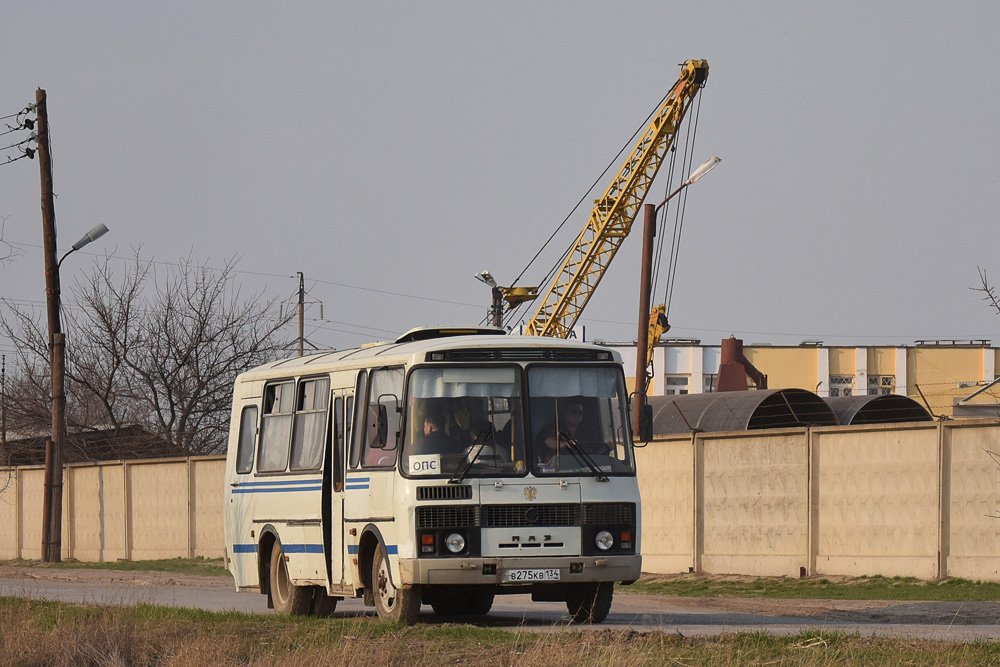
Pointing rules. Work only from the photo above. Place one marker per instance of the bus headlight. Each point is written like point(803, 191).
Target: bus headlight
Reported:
point(604, 540)
point(456, 543)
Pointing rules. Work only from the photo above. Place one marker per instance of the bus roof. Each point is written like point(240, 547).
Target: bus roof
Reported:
point(412, 352)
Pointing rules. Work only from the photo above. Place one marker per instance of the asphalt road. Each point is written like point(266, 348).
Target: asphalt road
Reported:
point(952, 621)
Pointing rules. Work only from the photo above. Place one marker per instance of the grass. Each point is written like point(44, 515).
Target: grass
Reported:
point(204, 566)
point(826, 588)
point(51, 633)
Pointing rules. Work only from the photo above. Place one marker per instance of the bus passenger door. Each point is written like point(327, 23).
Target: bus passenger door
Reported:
point(241, 546)
point(333, 501)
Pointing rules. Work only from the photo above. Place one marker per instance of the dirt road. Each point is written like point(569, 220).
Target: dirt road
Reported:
point(954, 621)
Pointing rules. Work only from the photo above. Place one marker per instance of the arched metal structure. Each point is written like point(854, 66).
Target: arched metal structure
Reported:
point(884, 409)
point(739, 411)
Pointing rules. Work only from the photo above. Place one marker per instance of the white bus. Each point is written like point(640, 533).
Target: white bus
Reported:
point(443, 469)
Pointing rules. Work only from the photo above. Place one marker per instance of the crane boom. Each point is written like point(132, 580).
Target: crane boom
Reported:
point(613, 214)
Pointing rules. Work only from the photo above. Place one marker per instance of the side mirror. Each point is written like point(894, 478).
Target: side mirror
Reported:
point(376, 426)
point(378, 434)
point(383, 426)
point(646, 423)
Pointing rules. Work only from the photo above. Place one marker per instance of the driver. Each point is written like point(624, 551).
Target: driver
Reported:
point(572, 428)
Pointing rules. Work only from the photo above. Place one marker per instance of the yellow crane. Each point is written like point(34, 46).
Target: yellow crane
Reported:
point(612, 216)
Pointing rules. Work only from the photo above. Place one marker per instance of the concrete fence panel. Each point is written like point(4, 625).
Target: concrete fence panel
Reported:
point(29, 498)
point(207, 483)
point(972, 519)
point(667, 505)
point(10, 511)
point(754, 503)
point(877, 501)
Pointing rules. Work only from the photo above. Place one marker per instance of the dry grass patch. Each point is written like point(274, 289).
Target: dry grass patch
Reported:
point(50, 633)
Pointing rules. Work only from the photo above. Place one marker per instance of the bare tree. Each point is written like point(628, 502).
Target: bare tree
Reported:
point(7, 250)
point(159, 351)
point(989, 293)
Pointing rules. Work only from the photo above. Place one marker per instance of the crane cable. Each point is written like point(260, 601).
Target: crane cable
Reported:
point(686, 164)
point(514, 314)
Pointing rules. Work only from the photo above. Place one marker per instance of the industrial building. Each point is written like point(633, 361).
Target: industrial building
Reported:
point(948, 377)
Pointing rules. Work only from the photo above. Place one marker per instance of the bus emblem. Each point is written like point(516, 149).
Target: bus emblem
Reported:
point(530, 492)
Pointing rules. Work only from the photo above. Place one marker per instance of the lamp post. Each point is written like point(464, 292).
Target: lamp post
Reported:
point(496, 306)
point(645, 289)
point(52, 499)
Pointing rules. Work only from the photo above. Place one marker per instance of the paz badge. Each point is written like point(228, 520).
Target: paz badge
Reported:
point(530, 493)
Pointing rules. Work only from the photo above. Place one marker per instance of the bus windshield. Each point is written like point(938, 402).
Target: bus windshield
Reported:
point(579, 421)
point(464, 421)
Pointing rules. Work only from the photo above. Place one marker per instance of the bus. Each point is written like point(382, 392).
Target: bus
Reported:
point(440, 469)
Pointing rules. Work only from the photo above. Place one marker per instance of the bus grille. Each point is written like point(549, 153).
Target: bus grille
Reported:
point(447, 516)
point(512, 516)
point(605, 513)
point(450, 492)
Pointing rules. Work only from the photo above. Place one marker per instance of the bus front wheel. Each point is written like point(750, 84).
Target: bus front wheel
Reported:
point(288, 599)
point(393, 604)
point(591, 603)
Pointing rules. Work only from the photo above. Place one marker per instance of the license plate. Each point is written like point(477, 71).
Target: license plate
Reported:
point(514, 576)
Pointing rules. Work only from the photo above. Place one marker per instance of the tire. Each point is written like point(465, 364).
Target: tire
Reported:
point(288, 599)
point(449, 606)
point(323, 605)
point(479, 605)
point(391, 603)
point(591, 603)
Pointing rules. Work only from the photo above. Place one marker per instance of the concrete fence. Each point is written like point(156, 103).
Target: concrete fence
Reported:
point(909, 500)
point(127, 510)
point(897, 500)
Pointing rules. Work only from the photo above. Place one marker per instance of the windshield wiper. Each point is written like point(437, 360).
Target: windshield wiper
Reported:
point(577, 451)
point(484, 438)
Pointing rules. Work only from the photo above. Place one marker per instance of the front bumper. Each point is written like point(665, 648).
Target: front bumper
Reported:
point(489, 571)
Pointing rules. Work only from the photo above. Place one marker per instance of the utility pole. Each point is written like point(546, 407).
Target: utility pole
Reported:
point(52, 504)
point(300, 304)
point(302, 309)
point(645, 288)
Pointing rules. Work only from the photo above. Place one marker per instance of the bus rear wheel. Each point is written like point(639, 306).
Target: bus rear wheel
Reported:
point(288, 599)
point(479, 605)
point(393, 604)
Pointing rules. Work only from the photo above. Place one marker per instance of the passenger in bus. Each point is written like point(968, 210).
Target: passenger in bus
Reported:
point(572, 428)
point(435, 440)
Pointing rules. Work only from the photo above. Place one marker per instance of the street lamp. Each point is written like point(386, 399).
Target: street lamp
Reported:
point(496, 306)
point(643, 348)
point(88, 238)
point(52, 498)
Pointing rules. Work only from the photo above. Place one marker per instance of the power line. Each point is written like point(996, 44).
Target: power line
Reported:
point(275, 275)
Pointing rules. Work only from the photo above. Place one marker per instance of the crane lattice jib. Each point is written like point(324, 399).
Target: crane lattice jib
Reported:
point(613, 214)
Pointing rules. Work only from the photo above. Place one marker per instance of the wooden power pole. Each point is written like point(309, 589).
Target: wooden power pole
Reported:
point(52, 503)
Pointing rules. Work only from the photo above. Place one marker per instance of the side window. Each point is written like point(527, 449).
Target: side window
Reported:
point(248, 436)
point(338, 444)
point(383, 415)
point(276, 427)
point(309, 434)
point(361, 391)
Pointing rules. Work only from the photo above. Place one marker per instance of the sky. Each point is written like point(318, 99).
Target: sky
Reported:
point(389, 151)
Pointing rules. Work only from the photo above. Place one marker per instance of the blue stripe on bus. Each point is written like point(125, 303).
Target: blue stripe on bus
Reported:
point(281, 482)
point(352, 549)
point(282, 489)
point(288, 548)
point(302, 548)
point(356, 486)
